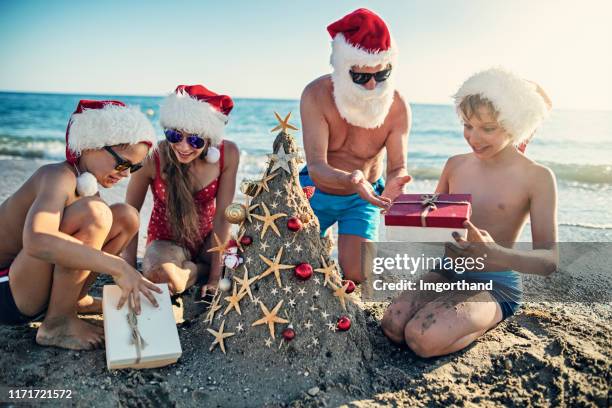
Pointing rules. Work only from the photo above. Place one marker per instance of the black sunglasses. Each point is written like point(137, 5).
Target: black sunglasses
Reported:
point(174, 136)
point(362, 78)
point(122, 164)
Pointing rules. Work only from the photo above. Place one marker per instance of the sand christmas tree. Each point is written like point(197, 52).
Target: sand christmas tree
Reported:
point(283, 298)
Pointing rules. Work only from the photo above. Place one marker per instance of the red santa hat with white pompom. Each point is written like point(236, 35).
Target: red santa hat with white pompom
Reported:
point(197, 110)
point(96, 124)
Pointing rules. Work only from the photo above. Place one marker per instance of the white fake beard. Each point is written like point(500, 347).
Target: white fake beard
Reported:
point(359, 106)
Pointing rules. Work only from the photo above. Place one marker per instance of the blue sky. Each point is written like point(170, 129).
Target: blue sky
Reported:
point(274, 48)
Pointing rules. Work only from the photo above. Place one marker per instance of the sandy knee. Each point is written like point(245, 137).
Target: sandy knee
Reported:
point(97, 214)
point(393, 323)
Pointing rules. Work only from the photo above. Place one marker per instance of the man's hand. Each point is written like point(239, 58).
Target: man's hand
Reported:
point(395, 186)
point(366, 191)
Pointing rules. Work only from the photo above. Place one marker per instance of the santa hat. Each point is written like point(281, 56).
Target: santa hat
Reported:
point(361, 38)
point(195, 109)
point(96, 124)
point(519, 105)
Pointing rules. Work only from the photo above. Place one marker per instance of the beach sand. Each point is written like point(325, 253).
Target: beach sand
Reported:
point(549, 354)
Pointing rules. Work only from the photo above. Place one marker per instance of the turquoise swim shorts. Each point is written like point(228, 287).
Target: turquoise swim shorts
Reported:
point(354, 215)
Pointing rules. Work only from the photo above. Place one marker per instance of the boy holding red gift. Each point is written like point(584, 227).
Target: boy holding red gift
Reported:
point(500, 112)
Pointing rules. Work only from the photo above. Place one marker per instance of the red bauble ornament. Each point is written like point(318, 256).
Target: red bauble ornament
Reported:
point(232, 243)
point(344, 323)
point(246, 240)
point(309, 191)
point(303, 271)
point(294, 224)
point(288, 333)
point(351, 285)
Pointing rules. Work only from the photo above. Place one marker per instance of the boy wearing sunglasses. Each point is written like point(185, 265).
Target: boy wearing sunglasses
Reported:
point(349, 119)
point(189, 178)
point(57, 229)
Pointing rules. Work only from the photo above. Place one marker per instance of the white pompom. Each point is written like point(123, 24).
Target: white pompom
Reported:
point(213, 155)
point(225, 285)
point(87, 185)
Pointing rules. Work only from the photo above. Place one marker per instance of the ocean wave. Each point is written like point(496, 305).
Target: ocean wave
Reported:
point(586, 225)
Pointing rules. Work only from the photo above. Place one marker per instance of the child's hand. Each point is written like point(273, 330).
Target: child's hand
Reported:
point(395, 187)
point(132, 284)
point(366, 191)
point(479, 242)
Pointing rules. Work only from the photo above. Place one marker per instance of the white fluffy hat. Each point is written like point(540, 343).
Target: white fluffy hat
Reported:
point(196, 109)
point(521, 108)
point(96, 124)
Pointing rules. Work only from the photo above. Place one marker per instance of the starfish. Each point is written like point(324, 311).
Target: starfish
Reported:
point(302, 291)
point(288, 245)
point(292, 302)
point(255, 300)
point(248, 260)
point(248, 211)
point(317, 293)
point(274, 291)
point(308, 325)
point(263, 184)
point(257, 227)
point(340, 293)
point(315, 341)
point(220, 248)
point(278, 193)
point(270, 317)
point(239, 327)
point(316, 280)
point(234, 301)
point(268, 220)
point(298, 248)
point(273, 205)
point(287, 289)
point(327, 270)
point(281, 159)
point(274, 267)
point(324, 314)
point(245, 283)
point(331, 326)
point(263, 245)
point(313, 308)
point(220, 336)
point(268, 342)
point(214, 307)
point(283, 123)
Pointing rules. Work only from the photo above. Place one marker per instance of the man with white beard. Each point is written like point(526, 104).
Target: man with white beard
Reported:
point(349, 118)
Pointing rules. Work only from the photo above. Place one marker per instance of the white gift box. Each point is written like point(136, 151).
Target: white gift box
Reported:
point(422, 234)
point(155, 325)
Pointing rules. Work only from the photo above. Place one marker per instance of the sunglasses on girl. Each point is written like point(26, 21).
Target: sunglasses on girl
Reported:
point(174, 136)
point(362, 78)
point(122, 164)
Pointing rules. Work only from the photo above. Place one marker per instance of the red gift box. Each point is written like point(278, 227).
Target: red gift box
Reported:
point(430, 210)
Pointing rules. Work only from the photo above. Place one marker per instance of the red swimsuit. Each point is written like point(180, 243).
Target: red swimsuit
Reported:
point(159, 227)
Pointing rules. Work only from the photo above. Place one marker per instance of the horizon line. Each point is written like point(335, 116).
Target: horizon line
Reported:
point(6, 91)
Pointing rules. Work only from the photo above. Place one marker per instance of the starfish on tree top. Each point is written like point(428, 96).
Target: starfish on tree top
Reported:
point(270, 317)
point(328, 270)
point(245, 283)
point(274, 267)
point(283, 124)
point(281, 159)
point(268, 220)
point(234, 301)
point(220, 337)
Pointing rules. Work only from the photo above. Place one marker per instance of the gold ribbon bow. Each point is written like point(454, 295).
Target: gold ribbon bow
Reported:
point(136, 337)
point(428, 202)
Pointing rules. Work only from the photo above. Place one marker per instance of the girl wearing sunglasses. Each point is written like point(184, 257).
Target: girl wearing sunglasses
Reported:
point(193, 174)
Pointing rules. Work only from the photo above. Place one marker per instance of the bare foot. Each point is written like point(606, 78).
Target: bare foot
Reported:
point(69, 332)
point(89, 305)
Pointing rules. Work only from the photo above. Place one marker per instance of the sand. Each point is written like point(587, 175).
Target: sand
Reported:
point(549, 354)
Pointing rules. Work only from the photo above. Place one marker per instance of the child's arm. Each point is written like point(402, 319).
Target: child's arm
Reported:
point(135, 196)
point(544, 258)
point(43, 239)
point(225, 196)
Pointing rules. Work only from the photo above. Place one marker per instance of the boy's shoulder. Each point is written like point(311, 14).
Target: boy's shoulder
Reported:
point(458, 159)
point(56, 173)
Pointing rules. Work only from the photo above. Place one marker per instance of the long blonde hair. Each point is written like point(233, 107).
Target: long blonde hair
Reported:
point(180, 206)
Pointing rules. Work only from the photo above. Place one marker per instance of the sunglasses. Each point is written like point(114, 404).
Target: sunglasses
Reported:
point(174, 136)
point(362, 78)
point(122, 164)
